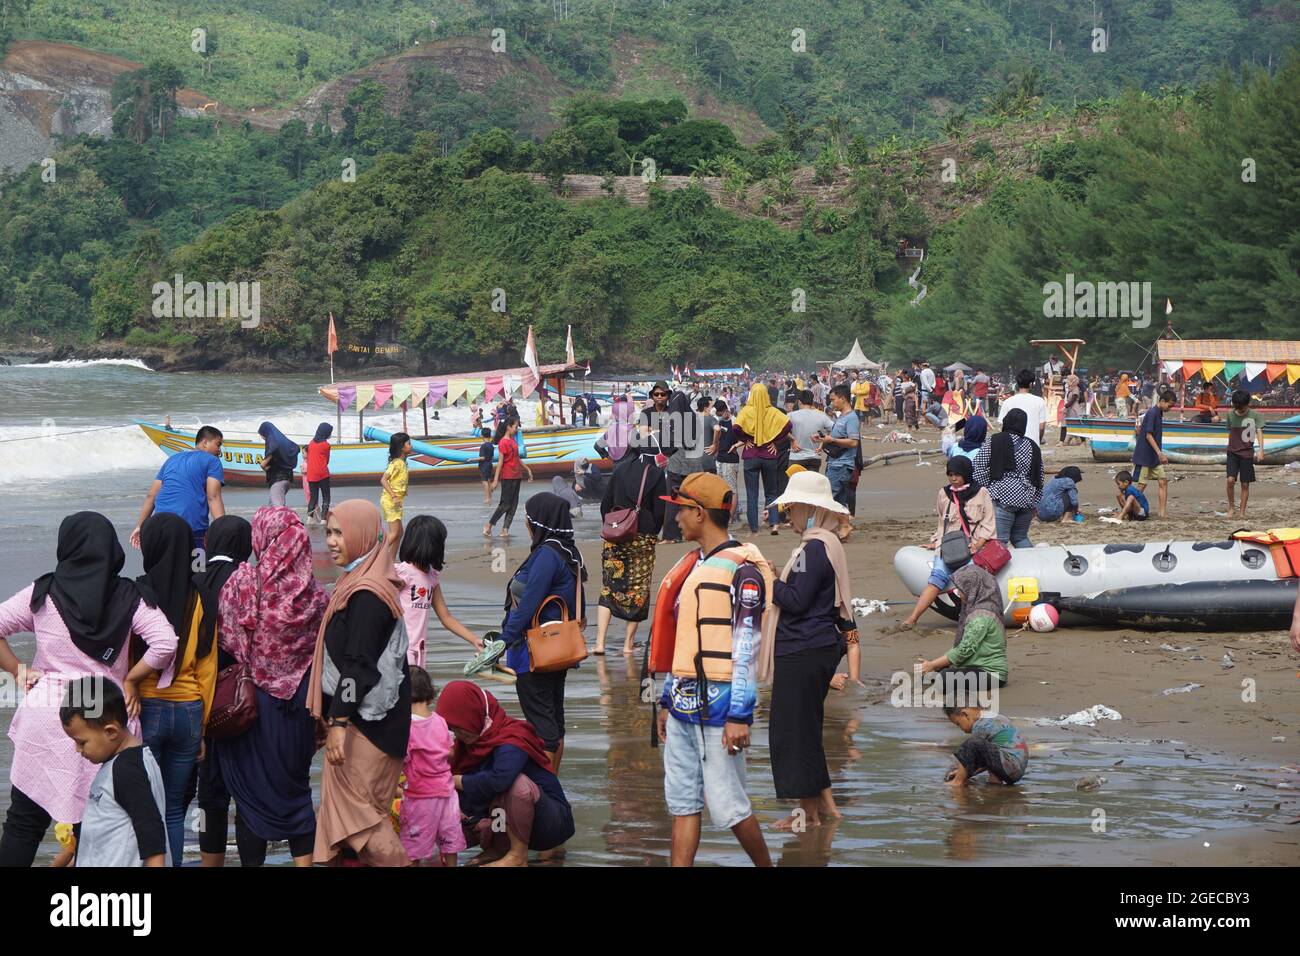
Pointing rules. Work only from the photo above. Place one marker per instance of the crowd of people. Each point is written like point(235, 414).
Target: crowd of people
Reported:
point(220, 673)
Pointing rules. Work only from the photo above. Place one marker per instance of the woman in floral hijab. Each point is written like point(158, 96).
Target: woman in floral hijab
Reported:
point(270, 614)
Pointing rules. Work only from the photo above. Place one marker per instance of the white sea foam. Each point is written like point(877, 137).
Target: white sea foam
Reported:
point(75, 452)
point(83, 363)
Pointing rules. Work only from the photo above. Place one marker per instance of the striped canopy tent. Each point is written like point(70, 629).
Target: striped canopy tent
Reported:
point(1247, 359)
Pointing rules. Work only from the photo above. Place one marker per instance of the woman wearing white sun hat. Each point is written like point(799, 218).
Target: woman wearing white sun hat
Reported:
point(808, 627)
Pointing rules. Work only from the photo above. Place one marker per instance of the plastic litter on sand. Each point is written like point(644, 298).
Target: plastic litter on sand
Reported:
point(1183, 689)
point(1084, 718)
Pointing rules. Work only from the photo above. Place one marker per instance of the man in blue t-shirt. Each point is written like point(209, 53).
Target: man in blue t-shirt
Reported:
point(1149, 458)
point(188, 484)
point(841, 447)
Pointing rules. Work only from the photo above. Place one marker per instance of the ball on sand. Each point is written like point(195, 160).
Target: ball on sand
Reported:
point(1043, 617)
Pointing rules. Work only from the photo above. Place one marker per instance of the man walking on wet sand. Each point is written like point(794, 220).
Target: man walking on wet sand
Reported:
point(188, 484)
point(708, 699)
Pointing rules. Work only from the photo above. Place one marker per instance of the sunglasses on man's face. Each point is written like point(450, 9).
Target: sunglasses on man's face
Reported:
point(658, 394)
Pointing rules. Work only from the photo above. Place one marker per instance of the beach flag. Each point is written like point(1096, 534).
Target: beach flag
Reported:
point(332, 345)
point(530, 359)
point(747, 367)
point(568, 347)
point(588, 372)
point(1169, 307)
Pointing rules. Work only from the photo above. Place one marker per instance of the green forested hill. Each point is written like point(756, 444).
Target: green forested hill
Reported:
point(870, 67)
point(415, 250)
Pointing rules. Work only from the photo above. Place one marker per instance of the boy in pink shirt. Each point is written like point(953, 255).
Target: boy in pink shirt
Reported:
point(430, 817)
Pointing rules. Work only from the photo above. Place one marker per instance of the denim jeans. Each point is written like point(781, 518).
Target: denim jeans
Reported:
point(173, 729)
point(769, 470)
point(840, 479)
point(1013, 525)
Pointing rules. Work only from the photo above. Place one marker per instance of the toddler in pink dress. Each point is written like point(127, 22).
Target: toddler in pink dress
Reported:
point(429, 825)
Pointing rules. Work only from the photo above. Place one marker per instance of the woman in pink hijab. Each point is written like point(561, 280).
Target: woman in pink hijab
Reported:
point(621, 422)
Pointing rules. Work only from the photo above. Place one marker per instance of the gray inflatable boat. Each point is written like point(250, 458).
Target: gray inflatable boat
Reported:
point(1182, 585)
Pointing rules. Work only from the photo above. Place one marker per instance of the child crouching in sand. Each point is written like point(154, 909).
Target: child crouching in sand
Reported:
point(430, 817)
point(994, 745)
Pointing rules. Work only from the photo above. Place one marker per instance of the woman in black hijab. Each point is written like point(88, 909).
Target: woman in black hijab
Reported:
point(229, 544)
point(82, 614)
point(553, 568)
point(1010, 466)
point(627, 567)
point(172, 718)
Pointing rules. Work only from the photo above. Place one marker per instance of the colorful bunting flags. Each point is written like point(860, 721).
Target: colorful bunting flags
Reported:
point(1274, 369)
point(364, 394)
point(1190, 368)
point(1172, 366)
point(383, 392)
point(455, 389)
point(437, 389)
point(474, 388)
point(492, 386)
point(401, 393)
point(347, 395)
point(419, 392)
point(1254, 369)
point(1210, 368)
point(1232, 369)
point(1292, 373)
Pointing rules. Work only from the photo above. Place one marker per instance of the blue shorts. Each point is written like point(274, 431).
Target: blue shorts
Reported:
point(699, 771)
point(940, 576)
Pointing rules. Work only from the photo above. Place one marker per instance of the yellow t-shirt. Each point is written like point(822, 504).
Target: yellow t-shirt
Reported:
point(398, 475)
point(860, 392)
point(194, 679)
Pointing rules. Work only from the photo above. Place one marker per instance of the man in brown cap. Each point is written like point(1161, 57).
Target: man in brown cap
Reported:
point(711, 689)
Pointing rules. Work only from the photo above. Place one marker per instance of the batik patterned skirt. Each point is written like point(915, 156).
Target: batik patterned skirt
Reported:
point(626, 570)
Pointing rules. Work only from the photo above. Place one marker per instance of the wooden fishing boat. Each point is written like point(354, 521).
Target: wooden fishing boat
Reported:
point(548, 451)
point(1113, 439)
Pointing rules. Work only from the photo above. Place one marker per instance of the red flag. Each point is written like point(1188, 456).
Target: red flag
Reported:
point(333, 345)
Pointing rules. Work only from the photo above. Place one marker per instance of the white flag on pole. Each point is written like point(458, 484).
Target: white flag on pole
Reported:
point(568, 348)
point(530, 359)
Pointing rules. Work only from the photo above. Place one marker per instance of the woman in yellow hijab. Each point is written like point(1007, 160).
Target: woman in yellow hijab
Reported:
point(762, 428)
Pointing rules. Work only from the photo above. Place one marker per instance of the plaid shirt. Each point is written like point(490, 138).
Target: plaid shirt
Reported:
point(1014, 489)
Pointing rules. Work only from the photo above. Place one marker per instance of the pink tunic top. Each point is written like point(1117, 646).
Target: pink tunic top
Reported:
point(46, 766)
point(417, 598)
point(428, 758)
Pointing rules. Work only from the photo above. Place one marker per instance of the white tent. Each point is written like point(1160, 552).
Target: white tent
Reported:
point(855, 359)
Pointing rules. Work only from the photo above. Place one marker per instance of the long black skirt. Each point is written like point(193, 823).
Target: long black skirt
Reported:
point(800, 684)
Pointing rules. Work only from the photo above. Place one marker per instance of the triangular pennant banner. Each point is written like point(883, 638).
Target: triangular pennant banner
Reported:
point(437, 389)
point(1232, 369)
point(347, 395)
point(1172, 366)
point(1274, 369)
point(1210, 369)
point(455, 389)
point(364, 394)
point(509, 385)
point(1254, 369)
point(401, 393)
point(419, 392)
point(1292, 373)
point(1190, 368)
point(473, 388)
point(492, 386)
point(383, 392)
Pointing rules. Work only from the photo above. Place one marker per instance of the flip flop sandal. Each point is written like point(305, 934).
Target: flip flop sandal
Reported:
point(487, 658)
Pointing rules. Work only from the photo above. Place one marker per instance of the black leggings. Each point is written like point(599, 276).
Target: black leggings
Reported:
point(25, 827)
point(214, 801)
point(509, 502)
point(319, 489)
point(979, 753)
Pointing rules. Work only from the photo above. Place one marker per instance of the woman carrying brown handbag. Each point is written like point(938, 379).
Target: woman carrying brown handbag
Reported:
point(553, 569)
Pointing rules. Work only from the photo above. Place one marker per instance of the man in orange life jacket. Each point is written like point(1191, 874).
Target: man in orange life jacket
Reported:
point(711, 691)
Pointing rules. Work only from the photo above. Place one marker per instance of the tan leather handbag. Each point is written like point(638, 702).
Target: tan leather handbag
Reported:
point(557, 645)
